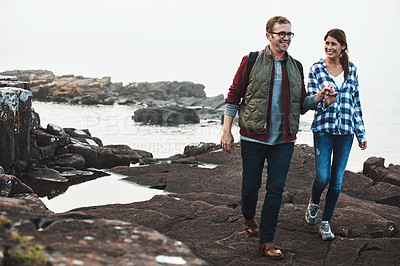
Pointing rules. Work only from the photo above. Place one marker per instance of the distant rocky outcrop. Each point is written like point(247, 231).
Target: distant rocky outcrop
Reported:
point(166, 116)
point(46, 86)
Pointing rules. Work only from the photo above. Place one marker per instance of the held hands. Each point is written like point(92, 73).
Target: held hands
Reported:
point(329, 94)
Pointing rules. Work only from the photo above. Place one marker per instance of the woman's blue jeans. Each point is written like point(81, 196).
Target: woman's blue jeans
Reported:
point(253, 158)
point(326, 173)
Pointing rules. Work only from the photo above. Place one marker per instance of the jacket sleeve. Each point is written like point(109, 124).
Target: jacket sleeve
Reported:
point(358, 120)
point(303, 108)
point(238, 88)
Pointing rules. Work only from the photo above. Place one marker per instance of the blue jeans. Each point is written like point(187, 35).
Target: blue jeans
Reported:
point(253, 158)
point(324, 145)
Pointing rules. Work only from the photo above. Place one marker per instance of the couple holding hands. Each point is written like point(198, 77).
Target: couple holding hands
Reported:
point(270, 97)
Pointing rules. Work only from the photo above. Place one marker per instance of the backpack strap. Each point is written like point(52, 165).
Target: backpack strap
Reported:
point(300, 66)
point(251, 61)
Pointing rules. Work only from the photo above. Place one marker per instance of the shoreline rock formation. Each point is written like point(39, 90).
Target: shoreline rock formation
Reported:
point(72, 89)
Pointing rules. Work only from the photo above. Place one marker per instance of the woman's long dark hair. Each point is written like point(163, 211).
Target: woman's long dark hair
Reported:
point(344, 55)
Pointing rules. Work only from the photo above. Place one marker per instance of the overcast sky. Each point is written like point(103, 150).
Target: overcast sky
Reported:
point(200, 41)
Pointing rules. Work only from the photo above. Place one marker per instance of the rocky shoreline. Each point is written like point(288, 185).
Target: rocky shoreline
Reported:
point(202, 212)
point(197, 222)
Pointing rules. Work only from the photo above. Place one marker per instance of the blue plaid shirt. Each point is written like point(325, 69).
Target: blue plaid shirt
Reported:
point(344, 116)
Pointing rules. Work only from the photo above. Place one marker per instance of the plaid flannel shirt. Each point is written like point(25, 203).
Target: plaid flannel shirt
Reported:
point(344, 116)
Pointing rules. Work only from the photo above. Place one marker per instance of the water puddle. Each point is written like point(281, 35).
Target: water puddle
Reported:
point(207, 165)
point(101, 191)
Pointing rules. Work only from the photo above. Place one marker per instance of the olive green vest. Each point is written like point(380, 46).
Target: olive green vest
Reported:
point(254, 107)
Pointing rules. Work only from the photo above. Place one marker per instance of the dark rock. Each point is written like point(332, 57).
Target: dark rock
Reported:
point(361, 186)
point(199, 148)
point(210, 113)
point(7, 81)
point(99, 157)
point(8, 78)
point(15, 116)
point(71, 160)
point(44, 174)
point(55, 130)
point(376, 173)
point(83, 136)
point(372, 161)
point(11, 186)
point(44, 139)
point(393, 175)
point(171, 115)
point(79, 239)
point(134, 155)
point(90, 100)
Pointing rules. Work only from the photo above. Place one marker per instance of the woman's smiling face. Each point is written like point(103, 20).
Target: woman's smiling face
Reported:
point(333, 48)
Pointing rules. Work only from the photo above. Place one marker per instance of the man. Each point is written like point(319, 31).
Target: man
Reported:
point(270, 100)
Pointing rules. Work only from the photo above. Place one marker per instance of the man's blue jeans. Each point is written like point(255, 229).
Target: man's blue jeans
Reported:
point(253, 158)
point(324, 145)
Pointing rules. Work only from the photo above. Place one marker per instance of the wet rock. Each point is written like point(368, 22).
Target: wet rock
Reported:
point(11, 186)
point(55, 130)
point(83, 136)
point(44, 174)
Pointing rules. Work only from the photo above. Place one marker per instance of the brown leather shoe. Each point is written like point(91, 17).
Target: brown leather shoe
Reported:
point(270, 251)
point(251, 228)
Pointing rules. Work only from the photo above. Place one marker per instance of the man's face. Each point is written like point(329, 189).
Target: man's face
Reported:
point(276, 43)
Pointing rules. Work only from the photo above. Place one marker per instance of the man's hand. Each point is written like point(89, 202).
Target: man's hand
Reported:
point(227, 137)
point(227, 141)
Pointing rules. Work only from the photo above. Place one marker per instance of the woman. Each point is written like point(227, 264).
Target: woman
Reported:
point(337, 118)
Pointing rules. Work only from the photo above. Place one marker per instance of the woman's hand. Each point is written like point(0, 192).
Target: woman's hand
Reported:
point(362, 145)
point(329, 94)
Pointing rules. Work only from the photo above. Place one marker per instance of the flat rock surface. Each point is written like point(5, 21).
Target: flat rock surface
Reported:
point(202, 209)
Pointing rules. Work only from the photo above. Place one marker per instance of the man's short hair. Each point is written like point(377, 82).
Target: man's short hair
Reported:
point(277, 19)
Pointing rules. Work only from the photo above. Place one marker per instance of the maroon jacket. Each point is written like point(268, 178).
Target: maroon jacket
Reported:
point(238, 90)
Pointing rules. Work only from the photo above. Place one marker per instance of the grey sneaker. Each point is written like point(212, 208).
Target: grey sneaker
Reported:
point(311, 213)
point(325, 231)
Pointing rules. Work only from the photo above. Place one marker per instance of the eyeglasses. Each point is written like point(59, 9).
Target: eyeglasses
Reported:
point(282, 34)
